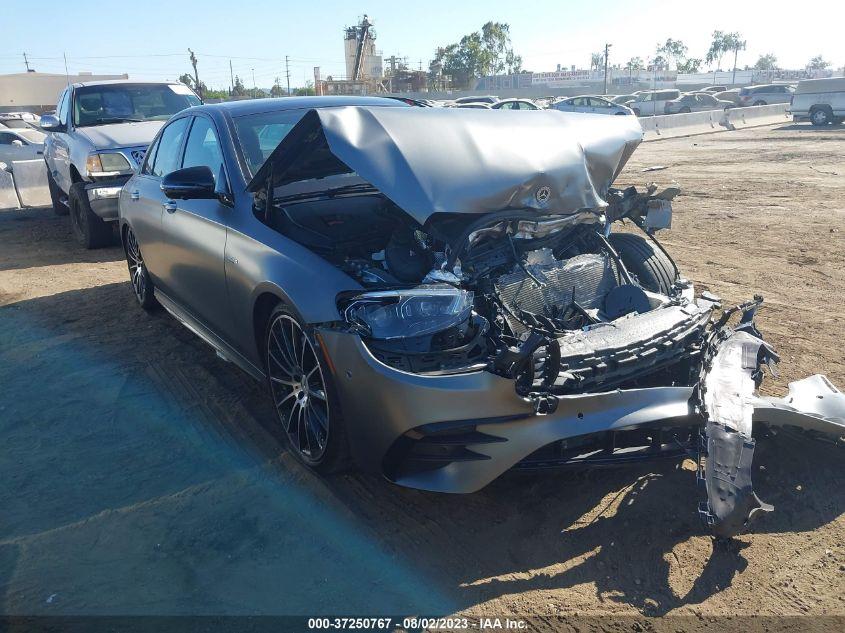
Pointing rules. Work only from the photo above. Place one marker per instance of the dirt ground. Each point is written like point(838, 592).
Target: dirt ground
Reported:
point(141, 474)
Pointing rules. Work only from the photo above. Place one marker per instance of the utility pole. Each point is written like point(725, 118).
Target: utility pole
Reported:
point(26, 62)
point(606, 51)
point(196, 76)
point(287, 72)
point(254, 87)
point(67, 75)
point(231, 79)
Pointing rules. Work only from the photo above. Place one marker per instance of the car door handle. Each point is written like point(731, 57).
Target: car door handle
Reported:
point(135, 195)
point(170, 207)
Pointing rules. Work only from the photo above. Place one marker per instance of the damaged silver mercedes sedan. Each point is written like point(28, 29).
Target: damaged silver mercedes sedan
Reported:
point(441, 295)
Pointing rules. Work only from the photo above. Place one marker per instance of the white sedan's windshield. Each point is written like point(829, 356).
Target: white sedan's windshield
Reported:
point(121, 103)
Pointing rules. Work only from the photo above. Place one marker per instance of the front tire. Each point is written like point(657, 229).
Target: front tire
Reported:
point(643, 258)
point(303, 394)
point(88, 228)
point(56, 195)
point(759, 103)
point(142, 285)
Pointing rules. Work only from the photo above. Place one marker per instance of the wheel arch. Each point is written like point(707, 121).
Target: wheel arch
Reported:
point(75, 176)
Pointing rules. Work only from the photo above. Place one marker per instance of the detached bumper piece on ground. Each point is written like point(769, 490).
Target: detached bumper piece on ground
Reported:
point(732, 370)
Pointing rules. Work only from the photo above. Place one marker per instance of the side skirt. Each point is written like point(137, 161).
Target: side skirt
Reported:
point(223, 349)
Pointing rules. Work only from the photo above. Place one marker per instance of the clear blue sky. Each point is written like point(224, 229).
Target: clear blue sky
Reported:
point(149, 40)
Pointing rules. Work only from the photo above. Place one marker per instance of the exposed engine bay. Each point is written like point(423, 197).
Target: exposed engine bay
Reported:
point(548, 299)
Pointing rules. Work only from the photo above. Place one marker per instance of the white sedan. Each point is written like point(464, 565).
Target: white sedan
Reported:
point(591, 104)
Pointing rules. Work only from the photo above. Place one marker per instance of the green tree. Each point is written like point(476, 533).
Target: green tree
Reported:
point(717, 50)
point(307, 91)
point(635, 63)
point(766, 62)
point(276, 90)
point(689, 65)
point(659, 63)
point(239, 90)
point(485, 52)
point(734, 43)
point(817, 63)
point(674, 50)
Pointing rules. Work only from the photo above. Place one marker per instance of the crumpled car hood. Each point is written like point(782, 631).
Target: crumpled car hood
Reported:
point(117, 135)
point(451, 160)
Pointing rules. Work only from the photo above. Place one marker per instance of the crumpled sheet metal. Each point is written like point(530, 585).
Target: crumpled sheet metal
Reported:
point(461, 160)
point(731, 405)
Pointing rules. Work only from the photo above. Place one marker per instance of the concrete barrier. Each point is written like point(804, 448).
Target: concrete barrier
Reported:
point(31, 182)
point(8, 195)
point(752, 116)
point(674, 125)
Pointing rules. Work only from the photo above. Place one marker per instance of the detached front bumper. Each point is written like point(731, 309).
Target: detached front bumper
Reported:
point(103, 196)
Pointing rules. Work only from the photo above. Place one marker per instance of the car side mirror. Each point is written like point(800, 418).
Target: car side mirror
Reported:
point(189, 183)
point(51, 123)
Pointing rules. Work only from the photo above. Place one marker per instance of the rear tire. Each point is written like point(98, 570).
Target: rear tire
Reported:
point(142, 285)
point(88, 228)
point(303, 393)
point(684, 110)
point(821, 116)
point(56, 195)
point(759, 103)
point(653, 268)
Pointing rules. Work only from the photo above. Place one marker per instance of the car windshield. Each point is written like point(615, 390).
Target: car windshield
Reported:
point(122, 103)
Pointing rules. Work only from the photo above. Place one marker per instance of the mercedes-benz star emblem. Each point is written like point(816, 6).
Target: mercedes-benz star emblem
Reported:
point(543, 194)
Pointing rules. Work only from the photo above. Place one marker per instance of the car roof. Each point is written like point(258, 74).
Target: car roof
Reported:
point(111, 82)
point(255, 106)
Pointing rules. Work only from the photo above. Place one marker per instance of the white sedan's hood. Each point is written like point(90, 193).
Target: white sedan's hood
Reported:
point(116, 135)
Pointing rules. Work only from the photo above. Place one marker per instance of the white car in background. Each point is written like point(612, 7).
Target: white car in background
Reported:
point(822, 101)
point(515, 104)
point(591, 104)
point(651, 102)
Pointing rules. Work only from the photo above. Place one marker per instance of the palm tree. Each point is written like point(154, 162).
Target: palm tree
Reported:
point(733, 42)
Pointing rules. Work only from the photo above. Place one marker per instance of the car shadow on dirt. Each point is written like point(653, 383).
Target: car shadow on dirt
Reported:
point(146, 475)
point(40, 238)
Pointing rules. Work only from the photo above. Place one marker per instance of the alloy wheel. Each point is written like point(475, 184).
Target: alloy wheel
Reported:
point(298, 388)
point(137, 272)
point(819, 117)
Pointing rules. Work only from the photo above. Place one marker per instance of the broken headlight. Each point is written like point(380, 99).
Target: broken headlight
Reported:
point(391, 314)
